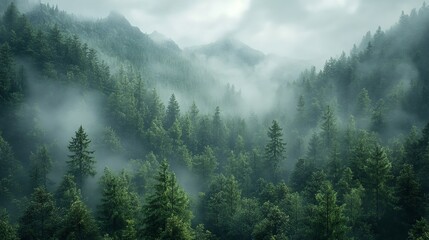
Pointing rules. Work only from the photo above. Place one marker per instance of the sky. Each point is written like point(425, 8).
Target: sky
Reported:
point(311, 30)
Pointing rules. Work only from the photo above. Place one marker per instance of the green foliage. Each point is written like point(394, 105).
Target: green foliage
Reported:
point(221, 203)
point(274, 150)
point(420, 230)
point(41, 166)
point(273, 224)
point(376, 184)
point(173, 112)
point(40, 219)
point(118, 204)
point(81, 162)
point(8, 170)
point(78, 223)
point(204, 165)
point(166, 211)
point(328, 221)
point(7, 230)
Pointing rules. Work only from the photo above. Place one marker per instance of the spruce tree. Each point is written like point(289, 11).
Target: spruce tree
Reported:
point(81, 162)
point(7, 230)
point(378, 173)
point(274, 150)
point(118, 204)
point(166, 214)
point(173, 112)
point(328, 221)
point(40, 219)
point(329, 129)
point(42, 164)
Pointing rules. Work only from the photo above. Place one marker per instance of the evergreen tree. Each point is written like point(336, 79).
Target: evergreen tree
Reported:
point(205, 165)
point(221, 203)
point(218, 129)
point(118, 204)
point(420, 230)
point(410, 195)
point(363, 106)
point(41, 166)
point(329, 129)
point(67, 193)
point(378, 172)
point(173, 112)
point(273, 224)
point(166, 212)
point(7, 72)
point(8, 171)
point(40, 219)
point(274, 150)
point(7, 231)
point(81, 162)
point(78, 223)
point(329, 221)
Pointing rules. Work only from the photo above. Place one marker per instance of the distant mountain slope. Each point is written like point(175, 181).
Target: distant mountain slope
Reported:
point(230, 50)
point(161, 64)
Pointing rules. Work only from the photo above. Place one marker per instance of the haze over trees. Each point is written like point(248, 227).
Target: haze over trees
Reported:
point(90, 147)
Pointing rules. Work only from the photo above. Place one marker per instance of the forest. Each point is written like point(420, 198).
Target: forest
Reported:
point(89, 148)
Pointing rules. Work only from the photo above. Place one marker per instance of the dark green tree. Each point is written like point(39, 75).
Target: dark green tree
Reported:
point(329, 129)
point(7, 72)
point(166, 212)
point(40, 219)
point(328, 221)
point(78, 223)
point(274, 150)
point(218, 129)
point(420, 230)
point(273, 225)
point(8, 171)
point(7, 230)
point(41, 166)
point(205, 165)
point(118, 204)
point(378, 174)
point(410, 195)
point(81, 162)
point(221, 203)
point(173, 112)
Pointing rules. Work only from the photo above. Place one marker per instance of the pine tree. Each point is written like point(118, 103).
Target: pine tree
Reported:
point(204, 165)
point(78, 223)
point(118, 204)
point(81, 162)
point(41, 166)
point(218, 129)
point(8, 171)
point(67, 193)
point(273, 225)
point(173, 112)
point(420, 230)
point(166, 212)
point(328, 221)
point(7, 72)
point(7, 230)
point(329, 129)
point(222, 202)
point(274, 150)
point(40, 219)
point(378, 174)
point(410, 195)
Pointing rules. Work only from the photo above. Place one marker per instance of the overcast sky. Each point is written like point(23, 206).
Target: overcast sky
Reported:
point(306, 29)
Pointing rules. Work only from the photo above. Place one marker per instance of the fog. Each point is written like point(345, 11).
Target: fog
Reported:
point(308, 30)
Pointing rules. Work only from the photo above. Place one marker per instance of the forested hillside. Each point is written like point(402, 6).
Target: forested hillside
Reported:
point(89, 150)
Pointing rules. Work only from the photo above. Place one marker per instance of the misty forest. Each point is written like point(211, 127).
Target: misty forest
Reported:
point(107, 132)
